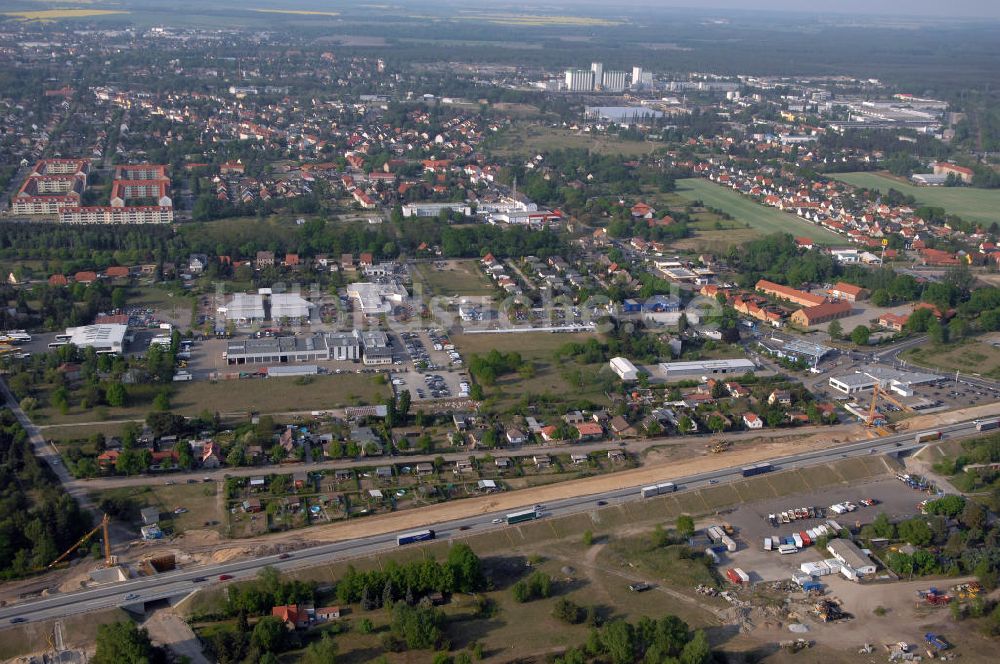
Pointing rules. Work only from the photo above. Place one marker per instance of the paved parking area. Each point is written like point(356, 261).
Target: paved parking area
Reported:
point(750, 521)
point(430, 385)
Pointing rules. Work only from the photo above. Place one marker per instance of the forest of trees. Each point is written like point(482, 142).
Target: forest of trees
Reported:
point(38, 520)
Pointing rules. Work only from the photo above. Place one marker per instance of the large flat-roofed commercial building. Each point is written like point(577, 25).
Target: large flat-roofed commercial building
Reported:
point(796, 349)
point(707, 368)
point(375, 347)
point(102, 338)
point(901, 382)
point(278, 350)
point(344, 345)
point(375, 299)
point(244, 308)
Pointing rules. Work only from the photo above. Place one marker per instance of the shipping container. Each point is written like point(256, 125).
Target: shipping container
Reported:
point(729, 542)
point(733, 576)
point(767, 544)
point(798, 540)
point(712, 555)
point(787, 548)
point(744, 577)
point(927, 436)
point(666, 487)
point(806, 540)
point(648, 491)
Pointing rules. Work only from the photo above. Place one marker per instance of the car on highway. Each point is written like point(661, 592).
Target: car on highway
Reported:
point(225, 577)
point(601, 503)
point(464, 527)
point(198, 579)
point(18, 619)
point(284, 556)
point(497, 520)
point(132, 596)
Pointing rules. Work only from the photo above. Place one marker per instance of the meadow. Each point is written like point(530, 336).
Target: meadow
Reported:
point(744, 210)
point(970, 204)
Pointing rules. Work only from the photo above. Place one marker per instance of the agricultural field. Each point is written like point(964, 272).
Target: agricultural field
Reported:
point(971, 357)
point(532, 139)
point(456, 278)
point(971, 204)
point(763, 219)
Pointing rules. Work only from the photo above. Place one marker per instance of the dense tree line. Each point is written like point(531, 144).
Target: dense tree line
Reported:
point(39, 520)
point(668, 639)
point(461, 572)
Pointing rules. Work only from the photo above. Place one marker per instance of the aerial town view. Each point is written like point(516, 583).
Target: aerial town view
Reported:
point(440, 331)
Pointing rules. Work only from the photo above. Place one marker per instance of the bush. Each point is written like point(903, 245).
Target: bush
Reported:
point(536, 586)
point(568, 611)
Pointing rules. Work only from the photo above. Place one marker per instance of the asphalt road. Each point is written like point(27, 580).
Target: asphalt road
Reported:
point(174, 584)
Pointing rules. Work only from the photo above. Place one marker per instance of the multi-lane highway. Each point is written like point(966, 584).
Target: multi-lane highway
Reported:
point(179, 583)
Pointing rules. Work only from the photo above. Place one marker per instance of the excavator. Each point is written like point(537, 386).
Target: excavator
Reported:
point(109, 560)
point(873, 419)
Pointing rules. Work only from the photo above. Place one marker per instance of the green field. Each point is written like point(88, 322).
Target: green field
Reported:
point(236, 397)
point(457, 278)
point(971, 357)
point(532, 139)
point(971, 204)
point(766, 220)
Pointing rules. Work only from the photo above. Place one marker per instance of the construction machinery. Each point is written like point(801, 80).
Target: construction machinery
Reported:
point(719, 446)
point(874, 419)
point(109, 560)
point(969, 590)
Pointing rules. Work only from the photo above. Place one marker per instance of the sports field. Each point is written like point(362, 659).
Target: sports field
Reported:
point(971, 204)
point(744, 210)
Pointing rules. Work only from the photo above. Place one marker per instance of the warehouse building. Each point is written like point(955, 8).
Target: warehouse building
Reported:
point(290, 306)
point(105, 339)
point(311, 348)
point(688, 370)
point(244, 308)
point(625, 369)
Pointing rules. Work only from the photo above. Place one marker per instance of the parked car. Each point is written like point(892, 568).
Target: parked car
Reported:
point(225, 577)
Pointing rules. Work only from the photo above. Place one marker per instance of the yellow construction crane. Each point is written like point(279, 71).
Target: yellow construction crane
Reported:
point(873, 409)
point(108, 558)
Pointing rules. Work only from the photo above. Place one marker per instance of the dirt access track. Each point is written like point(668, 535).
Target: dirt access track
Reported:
point(655, 472)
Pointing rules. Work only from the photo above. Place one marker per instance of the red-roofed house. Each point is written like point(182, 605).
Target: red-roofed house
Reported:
point(893, 322)
point(117, 272)
point(292, 615)
point(589, 430)
point(804, 243)
point(751, 421)
point(963, 173)
point(58, 280)
point(849, 292)
point(85, 277)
